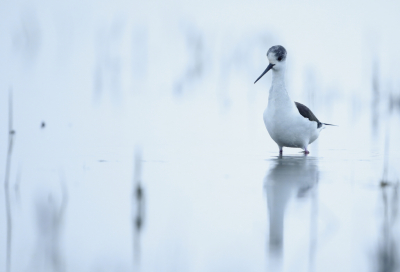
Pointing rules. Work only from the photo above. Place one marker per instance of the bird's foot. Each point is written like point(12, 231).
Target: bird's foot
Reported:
point(306, 152)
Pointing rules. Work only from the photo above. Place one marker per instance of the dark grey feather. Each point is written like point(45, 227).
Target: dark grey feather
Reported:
point(279, 51)
point(329, 124)
point(307, 113)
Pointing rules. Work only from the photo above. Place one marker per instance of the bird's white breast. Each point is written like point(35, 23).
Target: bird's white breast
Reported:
point(284, 123)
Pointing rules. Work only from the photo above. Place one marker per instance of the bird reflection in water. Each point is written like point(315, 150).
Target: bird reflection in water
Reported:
point(289, 178)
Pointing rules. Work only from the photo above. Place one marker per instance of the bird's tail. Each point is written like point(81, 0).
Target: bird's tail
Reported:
point(329, 124)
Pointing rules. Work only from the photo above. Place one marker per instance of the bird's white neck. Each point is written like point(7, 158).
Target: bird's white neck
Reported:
point(278, 97)
point(278, 88)
point(278, 78)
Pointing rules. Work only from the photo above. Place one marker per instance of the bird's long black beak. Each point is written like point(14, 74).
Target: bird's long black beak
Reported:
point(266, 70)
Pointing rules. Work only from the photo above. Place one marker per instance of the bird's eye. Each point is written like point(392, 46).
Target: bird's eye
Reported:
point(280, 58)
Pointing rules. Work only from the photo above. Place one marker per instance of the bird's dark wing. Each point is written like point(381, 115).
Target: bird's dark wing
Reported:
point(307, 113)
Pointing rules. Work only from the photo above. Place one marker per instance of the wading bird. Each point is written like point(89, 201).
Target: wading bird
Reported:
point(290, 124)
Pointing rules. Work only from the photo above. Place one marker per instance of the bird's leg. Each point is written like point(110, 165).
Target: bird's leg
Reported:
point(280, 150)
point(306, 150)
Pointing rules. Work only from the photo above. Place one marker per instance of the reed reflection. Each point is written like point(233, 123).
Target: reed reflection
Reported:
point(387, 254)
point(138, 205)
point(289, 178)
point(50, 220)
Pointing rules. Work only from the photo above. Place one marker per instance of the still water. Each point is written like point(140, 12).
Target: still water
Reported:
point(191, 201)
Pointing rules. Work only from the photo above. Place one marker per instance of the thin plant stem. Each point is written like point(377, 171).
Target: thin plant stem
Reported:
point(11, 134)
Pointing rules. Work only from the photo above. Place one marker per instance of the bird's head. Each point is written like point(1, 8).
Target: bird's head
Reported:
point(277, 59)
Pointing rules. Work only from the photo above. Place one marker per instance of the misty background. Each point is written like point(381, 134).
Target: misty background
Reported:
point(132, 136)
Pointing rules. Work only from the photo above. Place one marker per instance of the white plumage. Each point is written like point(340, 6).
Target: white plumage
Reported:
point(288, 123)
